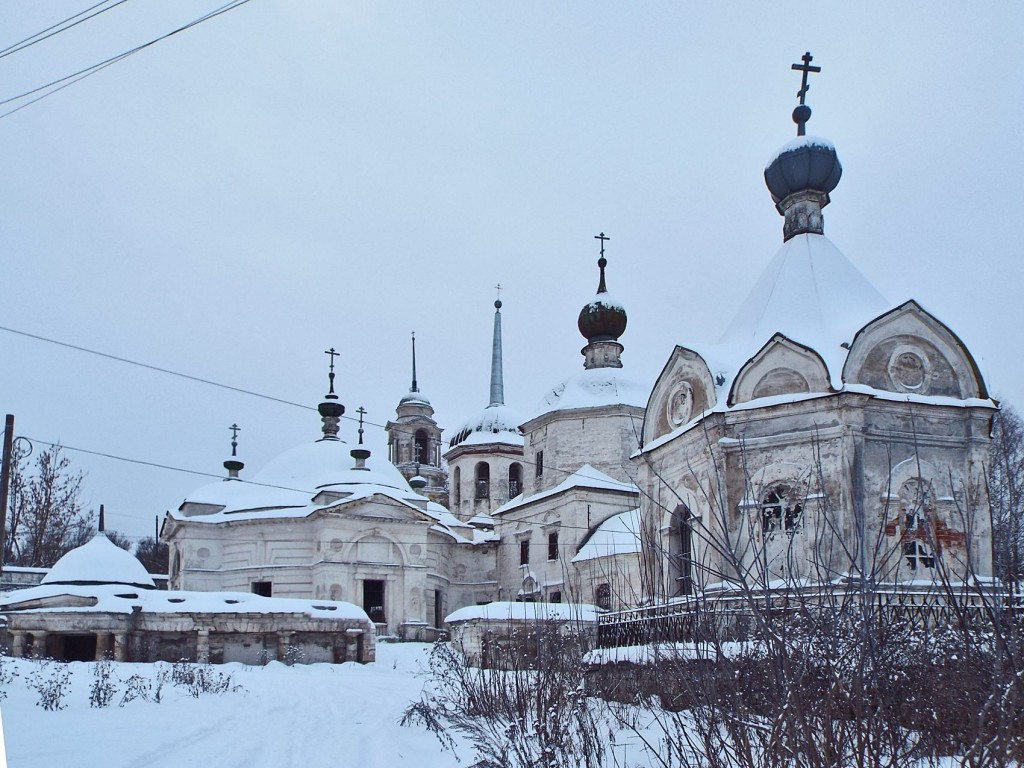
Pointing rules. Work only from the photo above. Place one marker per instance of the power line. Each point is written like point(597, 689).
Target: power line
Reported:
point(98, 67)
point(57, 28)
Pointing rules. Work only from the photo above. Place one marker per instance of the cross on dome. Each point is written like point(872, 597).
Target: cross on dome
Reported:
point(803, 113)
point(330, 375)
point(235, 429)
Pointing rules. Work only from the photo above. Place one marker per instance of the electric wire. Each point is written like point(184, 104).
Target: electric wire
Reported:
point(42, 35)
point(81, 74)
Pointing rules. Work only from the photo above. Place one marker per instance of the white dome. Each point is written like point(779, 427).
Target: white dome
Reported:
point(99, 561)
point(495, 424)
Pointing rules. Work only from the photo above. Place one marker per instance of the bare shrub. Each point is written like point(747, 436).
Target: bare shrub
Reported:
point(199, 679)
point(104, 684)
point(52, 681)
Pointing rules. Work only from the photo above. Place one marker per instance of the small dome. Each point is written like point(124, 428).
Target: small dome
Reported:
point(806, 163)
point(495, 424)
point(99, 561)
point(413, 398)
point(603, 318)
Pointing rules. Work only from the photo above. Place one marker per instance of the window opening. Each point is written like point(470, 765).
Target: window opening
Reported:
point(539, 466)
point(524, 552)
point(373, 600)
point(553, 545)
point(603, 596)
point(262, 588)
point(483, 481)
point(780, 512)
point(515, 480)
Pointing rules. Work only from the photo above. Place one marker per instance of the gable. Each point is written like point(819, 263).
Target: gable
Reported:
point(781, 367)
point(684, 390)
point(380, 507)
point(908, 350)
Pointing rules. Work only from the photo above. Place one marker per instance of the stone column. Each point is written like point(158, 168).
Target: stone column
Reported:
point(352, 644)
point(39, 643)
point(102, 645)
point(120, 646)
point(203, 646)
point(284, 639)
point(18, 645)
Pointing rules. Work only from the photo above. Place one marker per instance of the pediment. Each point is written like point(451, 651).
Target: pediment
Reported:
point(379, 507)
point(683, 390)
point(910, 351)
point(780, 367)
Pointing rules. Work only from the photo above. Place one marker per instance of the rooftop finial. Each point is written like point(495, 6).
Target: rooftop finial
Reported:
point(497, 380)
point(100, 528)
point(803, 113)
point(414, 388)
point(602, 263)
point(233, 465)
point(330, 376)
point(360, 453)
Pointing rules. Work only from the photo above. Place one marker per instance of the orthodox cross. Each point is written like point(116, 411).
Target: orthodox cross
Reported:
point(806, 68)
point(498, 289)
point(330, 376)
point(602, 238)
point(235, 429)
point(362, 412)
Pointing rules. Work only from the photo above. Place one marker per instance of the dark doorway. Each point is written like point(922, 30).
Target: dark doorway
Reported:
point(75, 647)
point(373, 600)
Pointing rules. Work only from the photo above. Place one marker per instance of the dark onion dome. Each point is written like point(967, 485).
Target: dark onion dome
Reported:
point(603, 319)
point(808, 163)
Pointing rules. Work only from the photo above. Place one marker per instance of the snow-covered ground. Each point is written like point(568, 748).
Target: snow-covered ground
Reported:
point(315, 715)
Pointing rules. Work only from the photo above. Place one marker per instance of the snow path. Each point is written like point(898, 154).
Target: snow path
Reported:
point(287, 717)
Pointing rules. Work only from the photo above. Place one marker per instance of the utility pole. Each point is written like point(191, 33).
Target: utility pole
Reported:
point(5, 483)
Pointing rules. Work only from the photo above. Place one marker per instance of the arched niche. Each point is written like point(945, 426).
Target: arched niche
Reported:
point(684, 389)
point(780, 367)
point(909, 351)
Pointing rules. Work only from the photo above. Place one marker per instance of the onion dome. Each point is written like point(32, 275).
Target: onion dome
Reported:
point(99, 561)
point(603, 318)
point(802, 173)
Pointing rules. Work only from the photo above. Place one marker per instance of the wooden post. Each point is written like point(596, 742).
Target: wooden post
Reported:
point(5, 484)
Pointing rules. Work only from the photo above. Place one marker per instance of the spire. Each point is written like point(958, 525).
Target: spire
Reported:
point(233, 465)
point(497, 381)
point(414, 387)
point(330, 409)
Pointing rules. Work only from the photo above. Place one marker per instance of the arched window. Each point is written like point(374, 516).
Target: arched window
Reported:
point(423, 447)
point(781, 511)
point(603, 596)
point(682, 549)
point(483, 480)
point(457, 486)
point(515, 480)
point(917, 511)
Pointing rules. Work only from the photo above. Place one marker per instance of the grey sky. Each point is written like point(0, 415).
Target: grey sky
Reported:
point(292, 176)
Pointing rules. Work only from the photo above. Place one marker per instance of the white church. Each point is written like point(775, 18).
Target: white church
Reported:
point(827, 436)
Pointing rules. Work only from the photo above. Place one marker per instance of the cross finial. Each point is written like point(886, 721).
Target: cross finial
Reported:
point(362, 412)
point(498, 289)
point(235, 429)
point(602, 262)
point(330, 375)
point(803, 113)
point(602, 237)
point(414, 388)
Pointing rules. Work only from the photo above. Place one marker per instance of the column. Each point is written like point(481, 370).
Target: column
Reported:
point(352, 644)
point(18, 645)
point(203, 646)
point(39, 643)
point(102, 645)
point(284, 639)
point(120, 646)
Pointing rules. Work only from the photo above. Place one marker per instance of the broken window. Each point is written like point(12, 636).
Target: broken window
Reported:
point(780, 511)
point(918, 555)
point(603, 596)
point(515, 480)
point(553, 545)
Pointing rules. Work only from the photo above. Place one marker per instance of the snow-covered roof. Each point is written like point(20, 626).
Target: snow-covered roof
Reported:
point(496, 424)
point(585, 477)
point(604, 299)
point(592, 388)
point(294, 478)
point(811, 293)
point(618, 535)
point(503, 611)
point(414, 397)
point(99, 561)
point(797, 143)
point(120, 598)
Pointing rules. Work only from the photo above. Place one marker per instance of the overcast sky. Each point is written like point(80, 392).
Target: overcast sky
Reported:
point(298, 175)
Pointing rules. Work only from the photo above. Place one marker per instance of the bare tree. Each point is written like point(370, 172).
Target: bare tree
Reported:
point(1006, 494)
point(120, 540)
point(46, 517)
point(153, 554)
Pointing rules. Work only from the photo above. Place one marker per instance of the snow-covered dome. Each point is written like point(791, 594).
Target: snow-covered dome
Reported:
point(592, 388)
point(99, 561)
point(413, 397)
point(495, 424)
